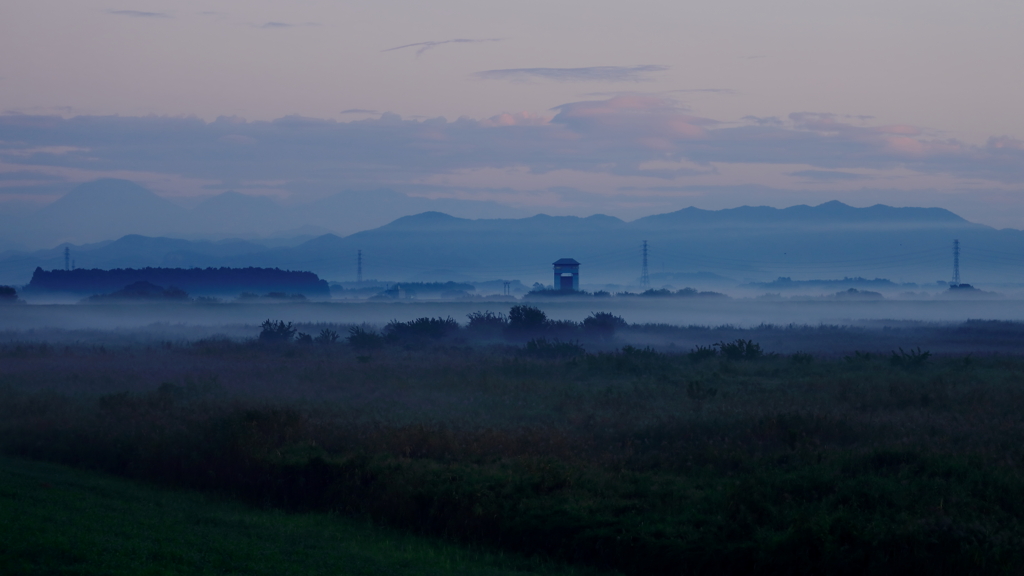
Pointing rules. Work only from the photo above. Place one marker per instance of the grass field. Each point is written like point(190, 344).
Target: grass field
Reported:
point(57, 520)
point(716, 461)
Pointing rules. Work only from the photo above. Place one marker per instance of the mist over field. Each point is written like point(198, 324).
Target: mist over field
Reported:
point(152, 322)
point(582, 288)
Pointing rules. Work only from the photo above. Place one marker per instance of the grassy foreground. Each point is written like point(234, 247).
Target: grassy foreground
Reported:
point(58, 520)
point(636, 460)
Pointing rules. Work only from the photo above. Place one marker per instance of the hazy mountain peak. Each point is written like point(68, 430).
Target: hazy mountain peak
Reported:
point(832, 213)
point(324, 241)
point(102, 209)
point(425, 219)
point(604, 218)
point(108, 190)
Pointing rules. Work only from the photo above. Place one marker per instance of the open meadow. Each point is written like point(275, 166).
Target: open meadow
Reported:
point(769, 450)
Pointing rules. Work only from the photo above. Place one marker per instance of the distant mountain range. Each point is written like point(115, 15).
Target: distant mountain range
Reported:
point(700, 248)
point(110, 208)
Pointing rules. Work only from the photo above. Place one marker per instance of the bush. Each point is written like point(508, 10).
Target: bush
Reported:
point(276, 331)
point(420, 329)
point(360, 338)
point(486, 323)
point(741, 350)
point(326, 336)
point(523, 319)
point(542, 348)
point(702, 353)
point(8, 294)
point(859, 357)
point(565, 329)
point(602, 324)
point(911, 359)
point(630, 360)
point(303, 338)
point(799, 358)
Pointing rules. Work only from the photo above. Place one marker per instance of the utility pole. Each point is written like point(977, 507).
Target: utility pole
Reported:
point(645, 279)
point(67, 259)
point(359, 267)
point(956, 262)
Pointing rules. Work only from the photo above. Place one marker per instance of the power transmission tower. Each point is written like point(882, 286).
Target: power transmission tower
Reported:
point(359, 266)
point(508, 288)
point(956, 262)
point(67, 259)
point(645, 279)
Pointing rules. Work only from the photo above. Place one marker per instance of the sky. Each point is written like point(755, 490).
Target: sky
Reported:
point(565, 107)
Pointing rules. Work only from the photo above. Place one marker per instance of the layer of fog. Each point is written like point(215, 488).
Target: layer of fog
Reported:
point(241, 320)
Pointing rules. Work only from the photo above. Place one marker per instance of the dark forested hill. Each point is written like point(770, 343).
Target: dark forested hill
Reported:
point(195, 281)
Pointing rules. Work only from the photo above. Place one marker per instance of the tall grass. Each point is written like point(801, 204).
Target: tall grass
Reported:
point(637, 460)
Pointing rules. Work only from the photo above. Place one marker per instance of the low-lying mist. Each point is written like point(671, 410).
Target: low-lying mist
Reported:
point(828, 329)
point(240, 320)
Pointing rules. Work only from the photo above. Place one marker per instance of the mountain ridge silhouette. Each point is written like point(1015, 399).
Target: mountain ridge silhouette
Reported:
point(749, 244)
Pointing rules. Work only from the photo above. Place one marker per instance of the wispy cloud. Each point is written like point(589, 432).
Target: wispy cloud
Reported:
point(827, 175)
point(424, 46)
point(358, 111)
point(283, 25)
point(589, 74)
point(30, 175)
point(37, 150)
point(707, 90)
point(624, 136)
point(139, 14)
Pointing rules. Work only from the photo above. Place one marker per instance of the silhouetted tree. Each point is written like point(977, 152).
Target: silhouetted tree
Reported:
point(420, 329)
point(276, 331)
point(523, 319)
point(326, 336)
point(602, 324)
point(362, 339)
point(8, 294)
point(486, 324)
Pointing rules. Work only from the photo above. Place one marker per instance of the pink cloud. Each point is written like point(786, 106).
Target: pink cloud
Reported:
point(650, 121)
point(517, 119)
point(1005, 142)
point(902, 129)
point(617, 135)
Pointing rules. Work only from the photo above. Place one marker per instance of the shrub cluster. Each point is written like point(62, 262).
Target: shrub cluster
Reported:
point(738, 349)
point(910, 359)
point(364, 339)
point(8, 294)
point(541, 348)
point(273, 332)
point(420, 330)
point(523, 324)
point(681, 293)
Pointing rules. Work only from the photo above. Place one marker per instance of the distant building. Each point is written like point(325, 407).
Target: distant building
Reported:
point(567, 275)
